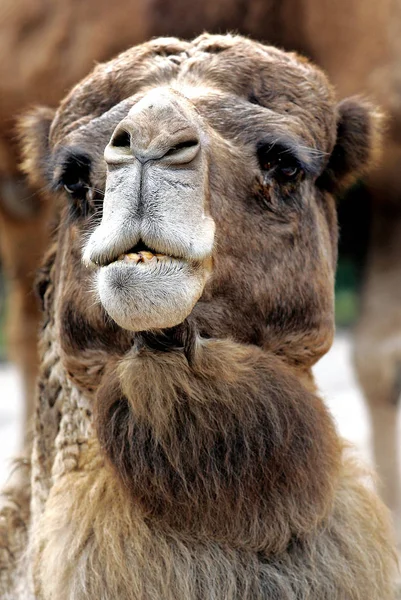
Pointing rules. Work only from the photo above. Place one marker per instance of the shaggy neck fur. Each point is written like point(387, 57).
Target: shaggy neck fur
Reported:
point(209, 471)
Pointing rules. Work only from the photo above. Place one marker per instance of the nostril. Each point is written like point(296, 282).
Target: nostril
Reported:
point(122, 139)
point(181, 146)
point(119, 150)
point(132, 141)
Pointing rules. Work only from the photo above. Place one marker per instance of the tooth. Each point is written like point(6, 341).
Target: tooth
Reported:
point(132, 257)
point(147, 257)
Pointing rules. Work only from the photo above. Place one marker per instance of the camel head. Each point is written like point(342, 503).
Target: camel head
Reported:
point(195, 182)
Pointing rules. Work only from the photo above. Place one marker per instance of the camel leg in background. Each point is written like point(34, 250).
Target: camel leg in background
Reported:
point(23, 238)
point(378, 350)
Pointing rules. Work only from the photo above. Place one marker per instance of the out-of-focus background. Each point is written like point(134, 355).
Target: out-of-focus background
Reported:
point(45, 47)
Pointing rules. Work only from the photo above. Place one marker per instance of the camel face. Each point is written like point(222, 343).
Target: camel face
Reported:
point(196, 180)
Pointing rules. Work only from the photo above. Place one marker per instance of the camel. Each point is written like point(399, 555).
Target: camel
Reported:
point(180, 447)
point(358, 45)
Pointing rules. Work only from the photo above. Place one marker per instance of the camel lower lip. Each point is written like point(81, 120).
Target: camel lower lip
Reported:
point(141, 296)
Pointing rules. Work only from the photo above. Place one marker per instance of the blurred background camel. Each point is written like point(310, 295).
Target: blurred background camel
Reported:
point(48, 45)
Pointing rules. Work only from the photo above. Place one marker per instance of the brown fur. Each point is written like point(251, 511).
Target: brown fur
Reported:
point(114, 550)
point(213, 440)
point(357, 45)
point(198, 462)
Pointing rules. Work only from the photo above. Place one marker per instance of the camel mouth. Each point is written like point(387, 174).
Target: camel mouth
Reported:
point(143, 290)
point(141, 254)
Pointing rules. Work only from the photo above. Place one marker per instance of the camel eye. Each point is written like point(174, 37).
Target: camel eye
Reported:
point(290, 171)
point(279, 163)
point(77, 190)
point(75, 175)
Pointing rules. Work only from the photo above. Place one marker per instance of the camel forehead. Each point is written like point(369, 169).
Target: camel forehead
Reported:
point(228, 64)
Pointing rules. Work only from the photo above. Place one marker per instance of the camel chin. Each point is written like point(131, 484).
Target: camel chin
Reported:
point(150, 295)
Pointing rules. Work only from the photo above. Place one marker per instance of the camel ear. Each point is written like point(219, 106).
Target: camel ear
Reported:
point(358, 144)
point(34, 129)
